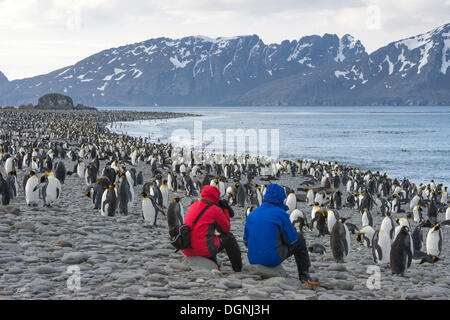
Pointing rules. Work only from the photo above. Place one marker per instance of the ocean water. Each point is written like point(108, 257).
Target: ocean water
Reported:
point(412, 142)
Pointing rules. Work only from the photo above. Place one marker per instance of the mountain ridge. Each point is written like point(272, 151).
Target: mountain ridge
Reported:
point(243, 70)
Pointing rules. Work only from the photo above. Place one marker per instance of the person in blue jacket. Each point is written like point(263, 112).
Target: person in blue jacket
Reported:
point(271, 238)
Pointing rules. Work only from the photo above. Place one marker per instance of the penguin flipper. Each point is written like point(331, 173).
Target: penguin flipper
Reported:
point(345, 244)
point(408, 245)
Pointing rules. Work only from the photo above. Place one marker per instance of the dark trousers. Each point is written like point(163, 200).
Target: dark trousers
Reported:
point(300, 252)
point(229, 243)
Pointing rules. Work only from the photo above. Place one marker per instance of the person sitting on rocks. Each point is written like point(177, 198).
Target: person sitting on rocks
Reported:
point(204, 241)
point(271, 238)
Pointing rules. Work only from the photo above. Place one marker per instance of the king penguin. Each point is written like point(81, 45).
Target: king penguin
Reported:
point(365, 236)
point(298, 217)
point(401, 252)
point(165, 194)
point(388, 225)
point(60, 172)
point(366, 218)
point(109, 202)
point(291, 201)
point(434, 240)
point(340, 241)
point(381, 246)
point(331, 219)
point(175, 214)
point(31, 195)
point(310, 197)
point(149, 209)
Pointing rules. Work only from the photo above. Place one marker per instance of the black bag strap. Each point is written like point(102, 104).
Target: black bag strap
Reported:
point(201, 212)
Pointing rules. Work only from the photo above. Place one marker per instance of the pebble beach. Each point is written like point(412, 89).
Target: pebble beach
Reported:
point(121, 257)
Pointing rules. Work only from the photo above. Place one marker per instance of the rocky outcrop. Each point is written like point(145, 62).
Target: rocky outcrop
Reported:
point(55, 101)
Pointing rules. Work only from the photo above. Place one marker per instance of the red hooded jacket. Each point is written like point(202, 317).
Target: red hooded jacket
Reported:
point(204, 242)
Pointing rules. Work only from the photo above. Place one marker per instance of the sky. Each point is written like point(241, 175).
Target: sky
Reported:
point(39, 36)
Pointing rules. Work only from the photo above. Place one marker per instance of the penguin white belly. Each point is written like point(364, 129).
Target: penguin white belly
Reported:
point(24, 162)
point(169, 182)
point(165, 197)
point(414, 202)
point(331, 220)
point(310, 197)
point(313, 212)
point(32, 197)
point(349, 187)
point(104, 212)
point(386, 225)
point(291, 202)
point(365, 220)
point(148, 211)
point(130, 203)
point(9, 165)
point(318, 198)
point(416, 215)
point(80, 170)
point(222, 188)
point(433, 239)
point(34, 166)
point(447, 214)
point(384, 242)
point(52, 191)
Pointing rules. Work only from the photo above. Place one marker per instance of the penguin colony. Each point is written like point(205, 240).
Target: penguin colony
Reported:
point(47, 148)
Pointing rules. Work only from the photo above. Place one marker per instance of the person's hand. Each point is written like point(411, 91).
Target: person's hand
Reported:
point(223, 204)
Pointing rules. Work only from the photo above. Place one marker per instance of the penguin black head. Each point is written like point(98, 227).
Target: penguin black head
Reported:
point(358, 237)
point(409, 216)
point(404, 229)
point(144, 194)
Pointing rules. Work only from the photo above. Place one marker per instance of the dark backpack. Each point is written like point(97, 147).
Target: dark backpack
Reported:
point(180, 236)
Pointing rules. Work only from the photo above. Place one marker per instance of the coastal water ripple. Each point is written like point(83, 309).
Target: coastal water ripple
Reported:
point(411, 142)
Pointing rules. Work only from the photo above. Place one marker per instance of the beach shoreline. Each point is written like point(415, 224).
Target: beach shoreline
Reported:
point(120, 258)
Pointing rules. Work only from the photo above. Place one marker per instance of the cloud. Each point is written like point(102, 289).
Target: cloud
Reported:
point(73, 30)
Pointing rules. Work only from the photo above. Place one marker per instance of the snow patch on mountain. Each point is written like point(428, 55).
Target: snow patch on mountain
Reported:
point(391, 65)
point(425, 53)
point(339, 74)
point(179, 64)
point(445, 52)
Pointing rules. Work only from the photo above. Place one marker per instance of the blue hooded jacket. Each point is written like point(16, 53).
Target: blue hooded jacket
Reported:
point(268, 230)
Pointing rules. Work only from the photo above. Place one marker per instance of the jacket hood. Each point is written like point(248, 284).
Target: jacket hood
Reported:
point(211, 193)
point(275, 193)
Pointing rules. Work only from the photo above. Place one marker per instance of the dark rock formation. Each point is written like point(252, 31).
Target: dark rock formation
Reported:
point(55, 101)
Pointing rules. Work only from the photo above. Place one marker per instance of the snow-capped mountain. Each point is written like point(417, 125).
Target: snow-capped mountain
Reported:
point(412, 71)
point(242, 70)
point(191, 70)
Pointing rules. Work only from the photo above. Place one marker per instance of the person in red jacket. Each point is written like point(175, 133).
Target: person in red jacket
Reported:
point(204, 241)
